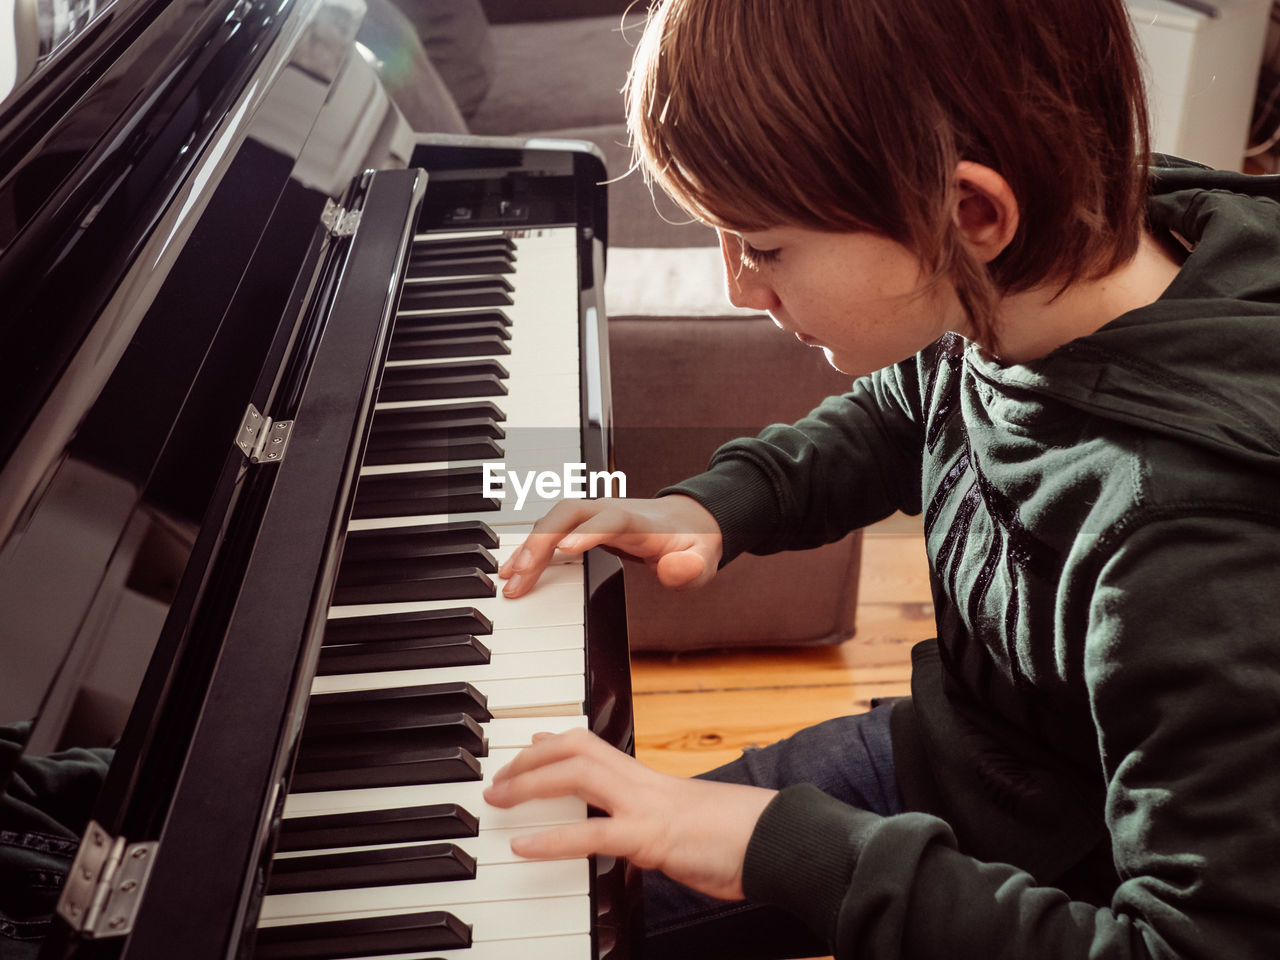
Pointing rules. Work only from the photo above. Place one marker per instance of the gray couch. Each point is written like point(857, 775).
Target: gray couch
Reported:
point(688, 371)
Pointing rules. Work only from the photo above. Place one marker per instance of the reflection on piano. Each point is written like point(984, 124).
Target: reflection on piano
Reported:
point(257, 341)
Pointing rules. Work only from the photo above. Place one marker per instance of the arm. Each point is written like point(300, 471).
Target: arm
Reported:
point(1182, 665)
point(853, 460)
point(1183, 669)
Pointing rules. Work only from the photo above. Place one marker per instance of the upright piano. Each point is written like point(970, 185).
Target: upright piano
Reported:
point(258, 342)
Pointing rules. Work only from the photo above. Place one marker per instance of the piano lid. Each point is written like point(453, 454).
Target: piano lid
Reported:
point(161, 200)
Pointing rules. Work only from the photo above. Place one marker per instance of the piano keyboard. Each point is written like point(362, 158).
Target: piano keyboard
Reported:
point(428, 673)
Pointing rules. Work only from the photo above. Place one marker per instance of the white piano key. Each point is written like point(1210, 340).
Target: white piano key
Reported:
point(535, 697)
point(556, 600)
point(528, 880)
point(501, 666)
point(570, 636)
point(517, 732)
point(508, 545)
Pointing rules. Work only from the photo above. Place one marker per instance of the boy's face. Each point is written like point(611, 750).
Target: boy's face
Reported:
point(857, 296)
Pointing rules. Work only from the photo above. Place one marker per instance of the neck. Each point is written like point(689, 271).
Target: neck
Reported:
point(1032, 324)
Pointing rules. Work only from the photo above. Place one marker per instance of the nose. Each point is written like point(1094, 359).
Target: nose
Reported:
point(745, 287)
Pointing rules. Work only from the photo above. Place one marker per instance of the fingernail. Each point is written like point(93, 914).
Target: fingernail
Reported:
point(514, 586)
point(570, 542)
point(525, 846)
point(520, 559)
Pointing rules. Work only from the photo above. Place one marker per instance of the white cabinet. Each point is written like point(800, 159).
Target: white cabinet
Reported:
point(1202, 75)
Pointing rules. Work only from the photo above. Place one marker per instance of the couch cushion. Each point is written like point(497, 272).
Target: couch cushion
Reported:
point(456, 37)
point(668, 282)
point(557, 73)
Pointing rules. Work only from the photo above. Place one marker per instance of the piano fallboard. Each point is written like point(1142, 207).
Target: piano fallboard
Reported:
point(232, 269)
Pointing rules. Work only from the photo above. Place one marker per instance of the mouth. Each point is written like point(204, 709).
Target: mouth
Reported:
point(807, 340)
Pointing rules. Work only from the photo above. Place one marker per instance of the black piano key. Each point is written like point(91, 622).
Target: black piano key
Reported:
point(480, 264)
point(326, 765)
point(445, 490)
point(327, 711)
point(440, 821)
point(480, 366)
point(389, 432)
point(424, 386)
point(363, 937)
point(440, 412)
point(447, 294)
point(419, 540)
point(413, 623)
point(420, 348)
point(442, 328)
point(422, 323)
point(339, 745)
point(380, 867)
point(409, 449)
point(428, 559)
point(446, 245)
point(447, 585)
point(392, 426)
point(427, 253)
point(461, 502)
point(418, 653)
point(432, 481)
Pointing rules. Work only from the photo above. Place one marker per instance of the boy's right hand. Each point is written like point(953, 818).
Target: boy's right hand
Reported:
point(675, 535)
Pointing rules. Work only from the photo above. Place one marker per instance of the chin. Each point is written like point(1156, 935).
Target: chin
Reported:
point(843, 364)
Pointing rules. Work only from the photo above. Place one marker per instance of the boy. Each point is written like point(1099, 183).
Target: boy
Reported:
point(1069, 362)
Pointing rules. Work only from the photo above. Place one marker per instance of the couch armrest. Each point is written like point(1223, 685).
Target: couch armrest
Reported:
point(519, 11)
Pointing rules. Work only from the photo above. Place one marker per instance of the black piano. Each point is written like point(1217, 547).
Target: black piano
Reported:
point(282, 382)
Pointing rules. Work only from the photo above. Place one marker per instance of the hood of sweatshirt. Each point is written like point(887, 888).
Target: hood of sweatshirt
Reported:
point(1201, 363)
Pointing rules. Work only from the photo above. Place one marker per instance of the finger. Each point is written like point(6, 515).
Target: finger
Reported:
point(525, 566)
point(550, 748)
point(574, 777)
point(595, 835)
point(614, 525)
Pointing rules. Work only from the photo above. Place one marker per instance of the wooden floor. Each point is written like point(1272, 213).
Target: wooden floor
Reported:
point(694, 711)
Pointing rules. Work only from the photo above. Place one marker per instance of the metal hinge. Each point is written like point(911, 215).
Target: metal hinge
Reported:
point(262, 439)
point(339, 221)
point(104, 888)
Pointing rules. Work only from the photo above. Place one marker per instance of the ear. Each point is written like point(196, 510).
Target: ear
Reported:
point(986, 211)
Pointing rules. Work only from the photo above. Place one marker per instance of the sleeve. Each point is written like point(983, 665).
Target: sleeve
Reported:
point(1182, 667)
point(853, 460)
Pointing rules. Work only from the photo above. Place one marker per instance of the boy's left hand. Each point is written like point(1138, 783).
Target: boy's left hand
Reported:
point(694, 831)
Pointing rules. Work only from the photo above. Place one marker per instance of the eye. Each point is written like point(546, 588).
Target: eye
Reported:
point(754, 258)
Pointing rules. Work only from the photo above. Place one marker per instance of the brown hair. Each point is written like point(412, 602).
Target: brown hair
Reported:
point(852, 115)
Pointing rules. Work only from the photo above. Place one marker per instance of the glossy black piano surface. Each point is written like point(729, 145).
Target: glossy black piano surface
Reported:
point(187, 231)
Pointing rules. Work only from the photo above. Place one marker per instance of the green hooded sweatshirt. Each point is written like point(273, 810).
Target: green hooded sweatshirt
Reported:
point(1091, 751)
